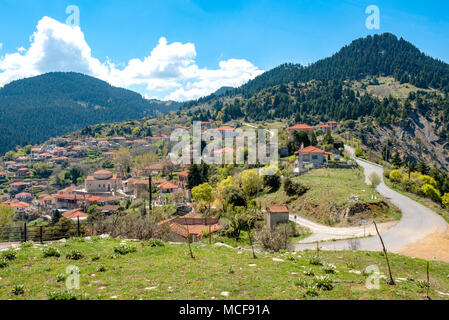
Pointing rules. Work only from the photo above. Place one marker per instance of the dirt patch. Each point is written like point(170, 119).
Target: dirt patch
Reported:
point(434, 247)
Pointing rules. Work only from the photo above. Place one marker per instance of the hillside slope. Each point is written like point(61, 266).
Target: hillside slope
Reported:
point(34, 109)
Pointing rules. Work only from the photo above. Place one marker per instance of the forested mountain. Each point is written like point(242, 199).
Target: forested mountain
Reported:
point(34, 109)
point(382, 82)
point(378, 55)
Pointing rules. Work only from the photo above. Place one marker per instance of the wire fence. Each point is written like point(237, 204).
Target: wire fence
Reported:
point(42, 234)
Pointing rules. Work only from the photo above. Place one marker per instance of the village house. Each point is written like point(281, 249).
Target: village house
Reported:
point(3, 175)
point(298, 127)
point(163, 167)
point(332, 124)
point(103, 182)
point(4, 197)
point(75, 214)
point(311, 155)
point(182, 179)
point(24, 197)
point(18, 206)
point(22, 172)
point(167, 187)
point(59, 151)
point(19, 186)
point(118, 140)
point(276, 214)
point(192, 225)
point(325, 128)
point(35, 151)
point(108, 155)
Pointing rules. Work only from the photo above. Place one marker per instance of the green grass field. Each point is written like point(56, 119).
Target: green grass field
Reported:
point(168, 272)
point(329, 193)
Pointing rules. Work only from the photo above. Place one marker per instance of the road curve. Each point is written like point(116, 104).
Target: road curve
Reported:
point(417, 221)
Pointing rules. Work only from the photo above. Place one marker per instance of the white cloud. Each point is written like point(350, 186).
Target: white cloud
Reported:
point(170, 71)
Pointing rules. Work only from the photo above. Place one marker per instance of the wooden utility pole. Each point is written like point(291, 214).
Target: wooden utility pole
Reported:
point(391, 281)
point(150, 191)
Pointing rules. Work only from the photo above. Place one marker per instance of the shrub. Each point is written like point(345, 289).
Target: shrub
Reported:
point(124, 248)
point(153, 243)
point(60, 277)
point(74, 255)
point(9, 255)
point(395, 176)
point(445, 200)
point(292, 188)
point(315, 261)
point(3, 263)
point(51, 252)
point(431, 192)
point(101, 269)
point(359, 152)
point(18, 289)
point(428, 180)
point(375, 179)
point(64, 295)
point(323, 283)
point(330, 269)
point(275, 240)
point(95, 257)
point(309, 272)
point(27, 244)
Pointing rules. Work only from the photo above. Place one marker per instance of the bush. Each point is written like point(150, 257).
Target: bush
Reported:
point(323, 283)
point(315, 261)
point(51, 252)
point(375, 179)
point(431, 192)
point(74, 255)
point(359, 153)
point(428, 180)
point(9, 255)
point(3, 263)
point(153, 243)
point(64, 295)
point(101, 269)
point(445, 200)
point(275, 240)
point(395, 176)
point(124, 248)
point(27, 244)
point(292, 188)
point(60, 277)
point(18, 289)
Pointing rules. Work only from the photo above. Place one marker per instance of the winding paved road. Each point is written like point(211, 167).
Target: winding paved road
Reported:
point(417, 221)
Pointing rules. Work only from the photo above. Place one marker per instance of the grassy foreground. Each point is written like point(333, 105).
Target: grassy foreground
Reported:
point(217, 272)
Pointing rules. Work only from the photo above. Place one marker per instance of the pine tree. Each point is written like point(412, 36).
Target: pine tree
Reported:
point(423, 167)
point(194, 178)
point(313, 140)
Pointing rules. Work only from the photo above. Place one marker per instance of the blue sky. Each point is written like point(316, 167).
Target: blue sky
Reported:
point(252, 35)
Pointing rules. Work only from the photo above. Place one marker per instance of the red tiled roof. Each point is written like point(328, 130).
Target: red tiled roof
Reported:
point(310, 149)
point(224, 128)
point(168, 185)
point(184, 173)
point(75, 213)
point(304, 127)
point(277, 209)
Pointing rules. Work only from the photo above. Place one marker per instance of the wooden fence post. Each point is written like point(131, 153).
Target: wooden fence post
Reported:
point(78, 225)
point(41, 234)
point(25, 236)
